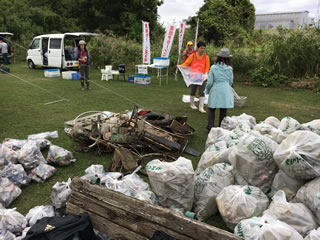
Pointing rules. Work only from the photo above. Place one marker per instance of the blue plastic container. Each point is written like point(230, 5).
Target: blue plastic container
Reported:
point(76, 76)
point(131, 79)
point(142, 79)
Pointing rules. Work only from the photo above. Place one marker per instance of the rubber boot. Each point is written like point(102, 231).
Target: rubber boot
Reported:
point(88, 85)
point(201, 104)
point(192, 103)
point(82, 84)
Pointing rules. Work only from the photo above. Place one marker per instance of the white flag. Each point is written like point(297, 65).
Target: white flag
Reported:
point(190, 76)
point(167, 44)
point(196, 38)
point(181, 33)
point(146, 43)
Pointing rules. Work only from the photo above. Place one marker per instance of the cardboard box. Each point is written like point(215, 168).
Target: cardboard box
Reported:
point(52, 72)
point(161, 61)
point(68, 74)
point(142, 79)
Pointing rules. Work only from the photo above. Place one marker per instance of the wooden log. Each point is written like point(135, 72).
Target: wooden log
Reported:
point(105, 226)
point(137, 216)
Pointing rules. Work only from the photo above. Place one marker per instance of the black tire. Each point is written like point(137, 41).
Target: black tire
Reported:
point(31, 64)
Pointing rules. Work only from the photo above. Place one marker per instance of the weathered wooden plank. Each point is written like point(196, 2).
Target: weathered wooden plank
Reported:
point(155, 214)
point(106, 226)
point(120, 217)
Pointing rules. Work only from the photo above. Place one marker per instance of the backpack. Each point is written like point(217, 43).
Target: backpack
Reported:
point(68, 227)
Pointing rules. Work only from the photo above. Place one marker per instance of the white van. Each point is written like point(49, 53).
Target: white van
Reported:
point(55, 50)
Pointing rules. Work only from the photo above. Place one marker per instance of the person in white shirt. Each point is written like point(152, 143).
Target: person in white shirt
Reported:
point(4, 51)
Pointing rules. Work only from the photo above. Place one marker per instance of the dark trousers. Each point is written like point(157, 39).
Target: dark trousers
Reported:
point(201, 89)
point(84, 75)
point(5, 58)
point(211, 116)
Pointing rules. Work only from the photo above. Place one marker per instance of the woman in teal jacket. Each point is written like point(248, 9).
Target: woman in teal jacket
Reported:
point(219, 88)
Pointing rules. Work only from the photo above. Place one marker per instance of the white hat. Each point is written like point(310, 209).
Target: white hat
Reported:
point(82, 42)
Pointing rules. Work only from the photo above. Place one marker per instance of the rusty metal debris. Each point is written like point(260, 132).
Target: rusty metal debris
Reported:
point(134, 137)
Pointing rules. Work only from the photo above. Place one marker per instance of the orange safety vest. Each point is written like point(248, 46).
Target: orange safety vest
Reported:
point(198, 66)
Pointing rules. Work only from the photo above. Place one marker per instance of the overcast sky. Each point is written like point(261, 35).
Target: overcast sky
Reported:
point(181, 9)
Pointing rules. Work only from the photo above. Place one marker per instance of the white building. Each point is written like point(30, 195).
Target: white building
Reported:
point(284, 19)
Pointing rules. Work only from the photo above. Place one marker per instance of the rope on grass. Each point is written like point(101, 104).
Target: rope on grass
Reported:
point(117, 94)
point(43, 89)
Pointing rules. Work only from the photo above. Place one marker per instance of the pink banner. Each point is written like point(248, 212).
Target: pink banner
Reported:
point(167, 44)
point(146, 43)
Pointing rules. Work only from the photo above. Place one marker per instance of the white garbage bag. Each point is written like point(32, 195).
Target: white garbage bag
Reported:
point(273, 121)
point(8, 191)
point(95, 169)
point(313, 126)
point(309, 194)
point(217, 135)
point(286, 183)
point(14, 144)
point(16, 174)
point(278, 135)
point(24, 234)
point(289, 125)
point(299, 155)
point(210, 155)
point(53, 134)
point(131, 185)
point(231, 123)
point(5, 234)
point(297, 215)
point(13, 221)
point(208, 185)
point(236, 203)
point(60, 194)
point(313, 235)
point(7, 154)
point(59, 156)
point(266, 228)
point(30, 155)
point(38, 213)
point(264, 128)
point(42, 172)
point(172, 182)
point(253, 158)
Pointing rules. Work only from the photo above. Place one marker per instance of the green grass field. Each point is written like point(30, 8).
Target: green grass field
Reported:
point(23, 112)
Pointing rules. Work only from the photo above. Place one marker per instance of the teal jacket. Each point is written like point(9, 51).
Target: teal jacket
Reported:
point(219, 88)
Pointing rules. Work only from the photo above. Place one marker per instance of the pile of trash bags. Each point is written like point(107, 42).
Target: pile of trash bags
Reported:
point(22, 161)
point(276, 176)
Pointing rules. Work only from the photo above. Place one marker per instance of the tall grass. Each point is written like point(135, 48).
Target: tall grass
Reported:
point(293, 53)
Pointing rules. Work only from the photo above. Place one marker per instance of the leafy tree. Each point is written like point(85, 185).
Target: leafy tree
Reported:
point(221, 20)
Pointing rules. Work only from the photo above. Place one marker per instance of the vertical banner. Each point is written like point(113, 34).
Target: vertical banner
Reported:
point(181, 33)
point(168, 39)
point(196, 38)
point(146, 43)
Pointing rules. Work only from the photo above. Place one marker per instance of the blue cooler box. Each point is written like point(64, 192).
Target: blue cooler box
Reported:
point(142, 79)
point(131, 79)
point(76, 76)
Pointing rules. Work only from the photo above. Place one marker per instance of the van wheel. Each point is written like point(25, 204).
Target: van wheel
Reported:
point(31, 64)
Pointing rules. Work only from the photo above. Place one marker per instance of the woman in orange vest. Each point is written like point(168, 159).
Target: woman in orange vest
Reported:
point(199, 62)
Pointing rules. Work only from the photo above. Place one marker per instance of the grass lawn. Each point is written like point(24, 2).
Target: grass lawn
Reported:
point(23, 112)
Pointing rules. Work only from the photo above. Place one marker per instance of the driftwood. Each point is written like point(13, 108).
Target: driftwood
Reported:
point(123, 217)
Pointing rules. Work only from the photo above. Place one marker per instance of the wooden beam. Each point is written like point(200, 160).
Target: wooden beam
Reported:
point(138, 216)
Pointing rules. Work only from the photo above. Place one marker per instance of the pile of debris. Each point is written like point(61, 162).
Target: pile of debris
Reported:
point(263, 179)
point(134, 137)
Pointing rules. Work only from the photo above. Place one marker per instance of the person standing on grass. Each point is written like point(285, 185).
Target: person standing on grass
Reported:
point(83, 58)
point(199, 62)
point(188, 51)
point(4, 51)
point(219, 88)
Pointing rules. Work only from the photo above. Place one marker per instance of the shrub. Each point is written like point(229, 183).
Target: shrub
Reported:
point(264, 77)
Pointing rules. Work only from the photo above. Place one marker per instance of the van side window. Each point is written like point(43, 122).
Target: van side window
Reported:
point(35, 44)
point(55, 43)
